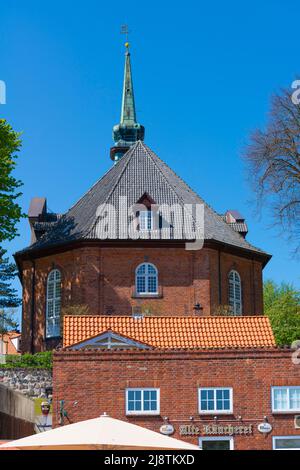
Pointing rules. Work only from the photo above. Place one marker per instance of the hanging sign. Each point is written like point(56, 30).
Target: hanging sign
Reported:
point(167, 429)
point(264, 428)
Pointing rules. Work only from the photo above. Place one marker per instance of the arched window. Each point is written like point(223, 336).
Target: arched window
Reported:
point(146, 279)
point(235, 292)
point(53, 304)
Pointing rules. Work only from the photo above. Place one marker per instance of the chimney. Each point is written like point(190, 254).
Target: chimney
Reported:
point(236, 221)
point(37, 209)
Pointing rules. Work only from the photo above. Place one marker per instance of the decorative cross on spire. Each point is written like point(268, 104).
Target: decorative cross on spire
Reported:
point(125, 30)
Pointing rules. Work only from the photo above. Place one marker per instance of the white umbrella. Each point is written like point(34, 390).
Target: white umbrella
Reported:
point(99, 433)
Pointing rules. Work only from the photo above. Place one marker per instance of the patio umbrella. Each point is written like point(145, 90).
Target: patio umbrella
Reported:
point(99, 433)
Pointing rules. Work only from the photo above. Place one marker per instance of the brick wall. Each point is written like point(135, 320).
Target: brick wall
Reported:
point(104, 278)
point(97, 382)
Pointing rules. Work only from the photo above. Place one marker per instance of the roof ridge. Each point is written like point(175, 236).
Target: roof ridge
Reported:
point(127, 155)
point(179, 317)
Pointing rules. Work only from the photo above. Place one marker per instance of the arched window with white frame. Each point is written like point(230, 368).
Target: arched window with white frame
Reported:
point(53, 306)
point(235, 292)
point(146, 279)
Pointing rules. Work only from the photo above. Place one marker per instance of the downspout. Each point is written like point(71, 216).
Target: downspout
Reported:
point(32, 307)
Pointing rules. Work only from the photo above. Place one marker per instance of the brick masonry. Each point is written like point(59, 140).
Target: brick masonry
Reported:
point(99, 386)
point(104, 279)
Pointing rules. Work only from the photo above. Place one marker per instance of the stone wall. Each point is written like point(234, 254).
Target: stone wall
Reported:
point(30, 382)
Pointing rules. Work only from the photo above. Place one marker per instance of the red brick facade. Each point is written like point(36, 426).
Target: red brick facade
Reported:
point(103, 278)
point(91, 383)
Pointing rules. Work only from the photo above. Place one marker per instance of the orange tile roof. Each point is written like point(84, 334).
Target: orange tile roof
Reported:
point(175, 332)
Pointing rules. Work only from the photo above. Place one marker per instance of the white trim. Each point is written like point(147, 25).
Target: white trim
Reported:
point(109, 340)
point(281, 411)
point(142, 412)
point(215, 411)
point(217, 438)
point(285, 437)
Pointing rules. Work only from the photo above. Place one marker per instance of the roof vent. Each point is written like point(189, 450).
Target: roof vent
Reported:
point(137, 313)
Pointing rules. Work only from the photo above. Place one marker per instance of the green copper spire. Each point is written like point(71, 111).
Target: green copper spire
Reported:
point(129, 130)
point(128, 115)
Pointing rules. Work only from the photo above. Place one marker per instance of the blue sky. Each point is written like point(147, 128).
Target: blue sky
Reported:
point(203, 75)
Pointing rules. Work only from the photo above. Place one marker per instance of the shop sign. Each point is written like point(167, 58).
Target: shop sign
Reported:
point(264, 428)
point(167, 429)
point(215, 430)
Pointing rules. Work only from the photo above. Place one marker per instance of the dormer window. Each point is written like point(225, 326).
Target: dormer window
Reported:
point(146, 220)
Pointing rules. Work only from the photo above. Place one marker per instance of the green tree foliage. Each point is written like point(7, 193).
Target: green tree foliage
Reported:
point(10, 211)
point(8, 295)
point(41, 360)
point(282, 306)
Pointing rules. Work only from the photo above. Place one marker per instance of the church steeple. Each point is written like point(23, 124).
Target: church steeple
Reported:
point(128, 131)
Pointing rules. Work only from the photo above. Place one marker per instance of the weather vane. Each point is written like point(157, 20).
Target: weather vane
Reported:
point(125, 30)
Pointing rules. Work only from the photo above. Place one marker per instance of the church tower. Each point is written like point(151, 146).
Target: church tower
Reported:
point(128, 131)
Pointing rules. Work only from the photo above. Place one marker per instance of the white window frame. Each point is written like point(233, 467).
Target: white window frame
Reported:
point(145, 219)
point(146, 293)
point(289, 410)
point(143, 412)
point(215, 411)
point(233, 302)
point(53, 300)
point(217, 438)
point(285, 437)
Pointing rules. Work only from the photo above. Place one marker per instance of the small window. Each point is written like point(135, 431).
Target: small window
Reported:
point(146, 220)
point(286, 442)
point(215, 400)
point(146, 279)
point(235, 292)
point(142, 401)
point(286, 399)
point(53, 304)
point(216, 443)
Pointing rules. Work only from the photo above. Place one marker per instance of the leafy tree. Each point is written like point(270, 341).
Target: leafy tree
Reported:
point(10, 211)
point(273, 160)
point(282, 306)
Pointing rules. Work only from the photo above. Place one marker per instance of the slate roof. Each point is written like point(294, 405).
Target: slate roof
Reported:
point(175, 332)
point(138, 172)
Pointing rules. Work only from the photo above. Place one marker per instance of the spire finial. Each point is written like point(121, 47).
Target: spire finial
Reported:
point(129, 130)
point(125, 30)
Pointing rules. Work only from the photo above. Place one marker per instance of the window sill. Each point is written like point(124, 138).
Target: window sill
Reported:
point(143, 413)
point(285, 412)
point(146, 296)
point(215, 413)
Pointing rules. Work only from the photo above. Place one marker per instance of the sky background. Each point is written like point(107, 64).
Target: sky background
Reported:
point(203, 74)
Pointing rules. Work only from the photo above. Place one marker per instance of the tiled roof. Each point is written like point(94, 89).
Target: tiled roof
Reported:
point(175, 332)
point(138, 172)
